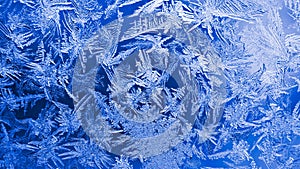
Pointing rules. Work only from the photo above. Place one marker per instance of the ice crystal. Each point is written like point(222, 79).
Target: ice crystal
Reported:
point(149, 84)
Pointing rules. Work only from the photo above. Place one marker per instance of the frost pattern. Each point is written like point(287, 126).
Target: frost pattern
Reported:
point(181, 83)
